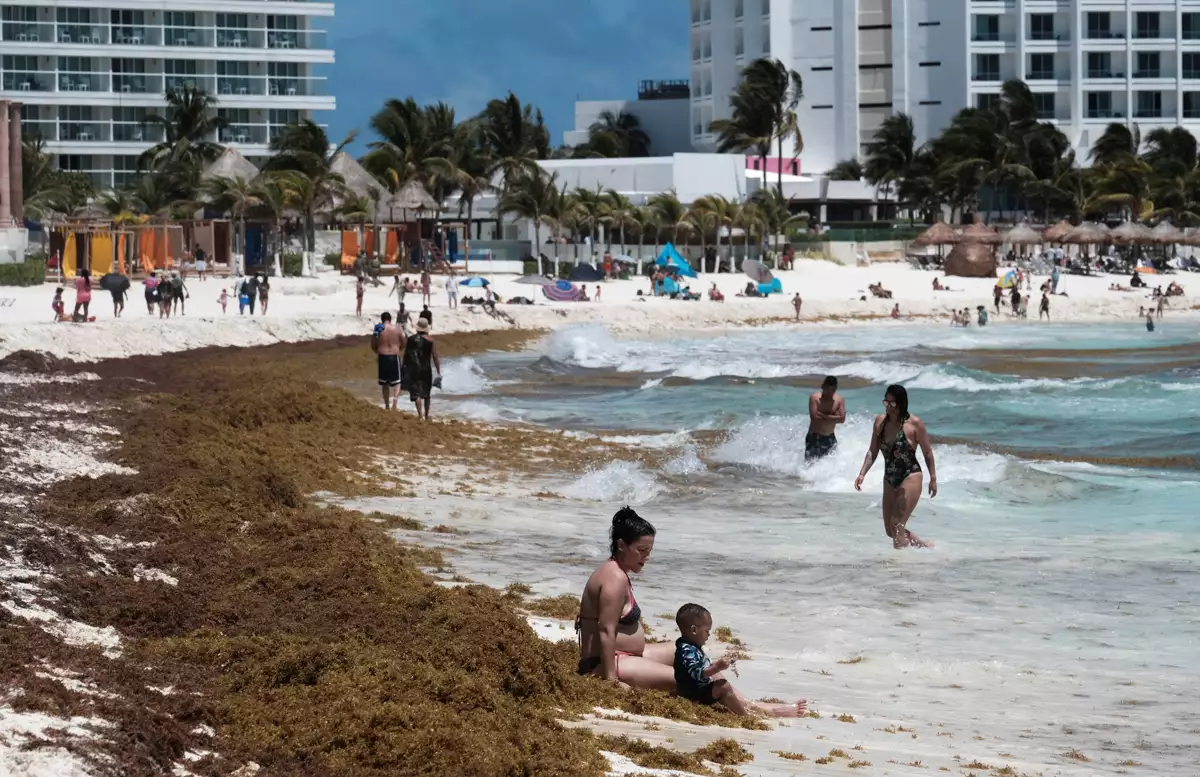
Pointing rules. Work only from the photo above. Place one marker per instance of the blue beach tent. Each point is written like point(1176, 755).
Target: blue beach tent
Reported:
point(774, 287)
point(668, 286)
point(671, 258)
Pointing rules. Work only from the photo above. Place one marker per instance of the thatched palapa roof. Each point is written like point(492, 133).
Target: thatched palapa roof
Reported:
point(1131, 232)
point(1023, 235)
point(1056, 233)
point(1087, 234)
point(1166, 234)
point(232, 165)
point(938, 234)
point(981, 233)
point(413, 197)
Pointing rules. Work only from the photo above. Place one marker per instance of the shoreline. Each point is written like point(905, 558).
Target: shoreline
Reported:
point(322, 308)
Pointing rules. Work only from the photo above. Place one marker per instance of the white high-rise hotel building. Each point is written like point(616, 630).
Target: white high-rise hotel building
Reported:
point(1088, 62)
point(88, 71)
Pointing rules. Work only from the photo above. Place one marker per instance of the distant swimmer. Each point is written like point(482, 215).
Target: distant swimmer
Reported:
point(826, 409)
point(898, 435)
point(1149, 321)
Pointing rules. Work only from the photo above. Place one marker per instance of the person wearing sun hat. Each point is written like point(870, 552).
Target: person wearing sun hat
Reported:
point(420, 360)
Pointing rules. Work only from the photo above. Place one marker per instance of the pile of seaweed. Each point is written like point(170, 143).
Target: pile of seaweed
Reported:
point(308, 638)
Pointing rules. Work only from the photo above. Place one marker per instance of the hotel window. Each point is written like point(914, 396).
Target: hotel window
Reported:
point(766, 39)
point(1148, 65)
point(1041, 26)
point(125, 170)
point(1099, 24)
point(1149, 105)
point(739, 9)
point(987, 67)
point(987, 27)
point(1041, 67)
point(1099, 64)
point(1099, 105)
point(739, 42)
point(1191, 26)
point(1146, 24)
point(1191, 64)
point(985, 102)
point(1191, 105)
point(696, 11)
point(1043, 104)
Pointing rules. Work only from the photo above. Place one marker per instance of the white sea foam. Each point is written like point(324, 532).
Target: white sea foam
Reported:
point(618, 481)
point(464, 376)
point(686, 463)
point(776, 444)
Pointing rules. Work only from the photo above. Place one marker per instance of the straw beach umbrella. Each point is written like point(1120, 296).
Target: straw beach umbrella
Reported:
point(981, 234)
point(1166, 234)
point(938, 235)
point(1023, 235)
point(1056, 233)
point(1131, 233)
point(232, 165)
point(1087, 234)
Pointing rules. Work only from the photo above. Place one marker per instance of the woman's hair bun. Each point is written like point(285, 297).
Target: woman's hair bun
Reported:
point(626, 513)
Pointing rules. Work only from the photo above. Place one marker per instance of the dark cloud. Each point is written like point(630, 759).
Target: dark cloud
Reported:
point(465, 52)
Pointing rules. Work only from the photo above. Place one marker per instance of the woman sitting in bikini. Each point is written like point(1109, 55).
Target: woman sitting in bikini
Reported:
point(898, 435)
point(612, 644)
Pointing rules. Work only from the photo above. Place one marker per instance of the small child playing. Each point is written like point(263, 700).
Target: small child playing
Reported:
point(698, 679)
point(57, 304)
point(223, 299)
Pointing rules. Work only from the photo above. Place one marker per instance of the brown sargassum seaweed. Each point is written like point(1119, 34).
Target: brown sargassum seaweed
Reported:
point(305, 635)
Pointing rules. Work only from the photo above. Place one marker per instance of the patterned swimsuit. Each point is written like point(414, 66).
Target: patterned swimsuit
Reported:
point(900, 460)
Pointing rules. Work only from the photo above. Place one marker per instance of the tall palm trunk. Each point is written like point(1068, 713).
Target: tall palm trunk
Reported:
point(310, 236)
point(242, 228)
point(779, 185)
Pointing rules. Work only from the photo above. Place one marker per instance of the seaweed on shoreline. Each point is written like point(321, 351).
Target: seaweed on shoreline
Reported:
point(307, 636)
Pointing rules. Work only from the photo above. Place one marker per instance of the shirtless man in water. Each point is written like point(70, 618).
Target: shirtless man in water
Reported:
point(826, 409)
point(386, 343)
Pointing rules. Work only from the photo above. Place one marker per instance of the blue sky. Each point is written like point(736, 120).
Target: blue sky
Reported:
point(465, 52)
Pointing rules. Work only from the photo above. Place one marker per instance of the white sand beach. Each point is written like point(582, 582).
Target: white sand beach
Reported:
point(323, 307)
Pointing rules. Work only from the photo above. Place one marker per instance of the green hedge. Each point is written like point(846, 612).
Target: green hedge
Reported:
point(530, 267)
point(293, 265)
point(31, 272)
point(334, 261)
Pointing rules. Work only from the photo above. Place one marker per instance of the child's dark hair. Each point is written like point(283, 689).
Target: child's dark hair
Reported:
point(58, 290)
point(628, 527)
point(689, 615)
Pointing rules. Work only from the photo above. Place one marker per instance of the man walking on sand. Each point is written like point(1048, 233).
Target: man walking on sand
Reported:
point(420, 359)
point(386, 342)
point(826, 409)
point(797, 303)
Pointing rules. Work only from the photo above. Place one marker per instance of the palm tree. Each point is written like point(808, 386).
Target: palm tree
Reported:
point(159, 195)
point(671, 213)
point(749, 219)
point(618, 134)
point(719, 213)
point(234, 196)
point(47, 189)
point(472, 163)
point(272, 202)
point(1118, 143)
point(303, 149)
point(891, 152)
point(645, 219)
point(767, 98)
point(188, 127)
point(847, 170)
point(358, 210)
point(308, 194)
point(749, 128)
point(533, 196)
point(516, 136)
point(1171, 152)
point(590, 209)
point(618, 211)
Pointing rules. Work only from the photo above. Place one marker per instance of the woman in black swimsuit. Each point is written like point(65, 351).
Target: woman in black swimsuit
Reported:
point(898, 435)
point(612, 644)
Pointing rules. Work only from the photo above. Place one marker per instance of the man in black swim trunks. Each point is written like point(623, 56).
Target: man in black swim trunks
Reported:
point(826, 409)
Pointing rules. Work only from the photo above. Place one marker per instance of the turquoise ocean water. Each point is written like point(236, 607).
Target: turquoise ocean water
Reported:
point(1061, 606)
